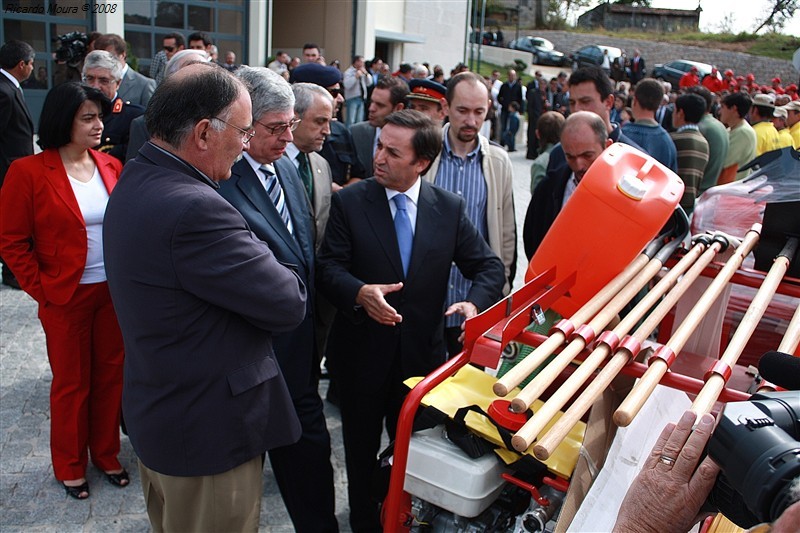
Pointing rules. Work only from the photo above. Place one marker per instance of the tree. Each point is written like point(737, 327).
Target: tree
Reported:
point(777, 13)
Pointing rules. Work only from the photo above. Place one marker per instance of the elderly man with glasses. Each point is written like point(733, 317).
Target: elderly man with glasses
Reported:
point(267, 190)
point(103, 71)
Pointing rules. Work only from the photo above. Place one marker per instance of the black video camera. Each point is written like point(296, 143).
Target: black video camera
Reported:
point(73, 47)
point(756, 446)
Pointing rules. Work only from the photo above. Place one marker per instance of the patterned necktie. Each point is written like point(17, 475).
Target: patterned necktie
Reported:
point(402, 226)
point(275, 193)
point(305, 173)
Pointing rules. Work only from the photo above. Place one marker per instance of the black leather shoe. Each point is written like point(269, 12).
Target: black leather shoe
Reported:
point(11, 282)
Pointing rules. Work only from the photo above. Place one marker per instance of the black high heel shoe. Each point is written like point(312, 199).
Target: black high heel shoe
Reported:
point(120, 479)
point(77, 491)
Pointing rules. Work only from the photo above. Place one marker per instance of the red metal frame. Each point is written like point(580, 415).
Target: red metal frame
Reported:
point(487, 334)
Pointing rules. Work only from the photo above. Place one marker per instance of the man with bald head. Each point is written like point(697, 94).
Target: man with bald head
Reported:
point(583, 139)
point(198, 297)
point(138, 130)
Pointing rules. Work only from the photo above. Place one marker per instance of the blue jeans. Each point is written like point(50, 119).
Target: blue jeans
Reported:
point(354, 110)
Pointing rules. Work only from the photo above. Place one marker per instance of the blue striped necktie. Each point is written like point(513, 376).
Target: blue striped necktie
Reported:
point(275, 193)
point(402, 226)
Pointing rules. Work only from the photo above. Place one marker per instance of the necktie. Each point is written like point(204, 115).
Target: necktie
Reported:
point(275, 193)
point(402, 226)
point(305, 173)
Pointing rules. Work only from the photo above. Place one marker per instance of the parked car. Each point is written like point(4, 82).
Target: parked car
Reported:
point(490, 38)
point(593, 55)
point(674, 70)
point(542, 51)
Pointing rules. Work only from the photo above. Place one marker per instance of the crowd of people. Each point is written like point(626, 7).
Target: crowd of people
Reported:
point(269, 218)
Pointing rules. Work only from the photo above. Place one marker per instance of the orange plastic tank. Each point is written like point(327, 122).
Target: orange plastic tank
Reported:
point(619, 206)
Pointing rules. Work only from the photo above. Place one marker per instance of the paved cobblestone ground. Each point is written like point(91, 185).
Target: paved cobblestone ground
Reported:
point(31, 500)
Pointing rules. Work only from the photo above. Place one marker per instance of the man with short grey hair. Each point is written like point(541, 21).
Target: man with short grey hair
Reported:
point(314, 108)
point(199, 298)
point(102, 70)
point(134, 87)
point(265, 188)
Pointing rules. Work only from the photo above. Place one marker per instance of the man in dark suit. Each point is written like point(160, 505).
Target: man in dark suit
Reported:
point(535, 101)
point(16, 124)
point(510, 91)
point(384, 264)
point(133, 87)
point(387, 97)
point(266, 189)
point(198, 298)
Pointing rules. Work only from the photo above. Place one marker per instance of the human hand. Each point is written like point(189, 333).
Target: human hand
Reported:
point(371, 298)
point(669, 491)
point(468, 309)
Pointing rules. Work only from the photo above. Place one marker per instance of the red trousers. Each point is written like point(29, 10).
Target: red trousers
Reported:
point(84, 346)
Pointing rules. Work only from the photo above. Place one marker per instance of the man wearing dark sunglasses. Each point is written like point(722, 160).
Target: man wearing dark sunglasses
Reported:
point(173, 42)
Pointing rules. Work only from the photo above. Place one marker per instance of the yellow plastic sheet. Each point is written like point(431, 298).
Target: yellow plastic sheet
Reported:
point(470, 386)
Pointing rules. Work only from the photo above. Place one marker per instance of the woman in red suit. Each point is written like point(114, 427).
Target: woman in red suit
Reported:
point(51, 228)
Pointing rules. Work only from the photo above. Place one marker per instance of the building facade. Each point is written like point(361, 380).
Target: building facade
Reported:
point(433, 31)
point(619, 17)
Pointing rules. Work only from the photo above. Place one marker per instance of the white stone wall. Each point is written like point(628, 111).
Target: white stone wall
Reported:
point(443, 23)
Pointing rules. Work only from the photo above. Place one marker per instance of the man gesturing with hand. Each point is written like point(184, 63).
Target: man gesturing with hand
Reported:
point(384, 264)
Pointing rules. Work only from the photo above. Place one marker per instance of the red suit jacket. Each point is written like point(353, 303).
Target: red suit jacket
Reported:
point(42, 232)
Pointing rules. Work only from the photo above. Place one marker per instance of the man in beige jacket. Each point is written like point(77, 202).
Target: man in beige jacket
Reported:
point(481, 173)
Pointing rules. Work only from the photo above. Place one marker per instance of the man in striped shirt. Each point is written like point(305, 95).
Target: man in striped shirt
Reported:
point(481, 173)
point(692, 147)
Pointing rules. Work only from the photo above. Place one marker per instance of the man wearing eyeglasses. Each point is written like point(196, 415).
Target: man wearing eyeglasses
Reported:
point(103, 71)
point(199, 300)
point(266, 189)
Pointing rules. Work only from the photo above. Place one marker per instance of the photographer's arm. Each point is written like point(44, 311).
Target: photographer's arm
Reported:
point(669, 491)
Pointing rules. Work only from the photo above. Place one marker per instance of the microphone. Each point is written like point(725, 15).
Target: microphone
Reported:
point(780, 368)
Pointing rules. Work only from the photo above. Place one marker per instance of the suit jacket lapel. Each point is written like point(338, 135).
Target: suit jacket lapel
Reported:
point(57, 177)
point(299, 209)
point(107, 173)
point(251, 187)
point(379, 217)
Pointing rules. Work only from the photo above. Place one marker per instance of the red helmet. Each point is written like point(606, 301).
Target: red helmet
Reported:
point(776, 80)
point(729, 73)
point(750, 77)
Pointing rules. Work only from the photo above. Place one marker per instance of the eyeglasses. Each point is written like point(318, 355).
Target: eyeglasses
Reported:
point(246, 135)
point(101, 81)
point(169, 48)
point(335, 92)
point(278, 129)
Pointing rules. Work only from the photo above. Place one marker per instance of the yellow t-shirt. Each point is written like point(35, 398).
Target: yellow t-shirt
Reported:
point(766, 137)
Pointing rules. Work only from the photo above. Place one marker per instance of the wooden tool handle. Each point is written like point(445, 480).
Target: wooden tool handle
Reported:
point(704, 401)
point(553, 405)
point(547, 445)
point(791, 339)
point(524, 368)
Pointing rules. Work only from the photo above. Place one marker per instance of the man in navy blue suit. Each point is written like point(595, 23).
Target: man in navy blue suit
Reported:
point(199, 299)
point(268, 192)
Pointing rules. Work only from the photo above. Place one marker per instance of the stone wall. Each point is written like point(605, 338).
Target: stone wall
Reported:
point(763, 68)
